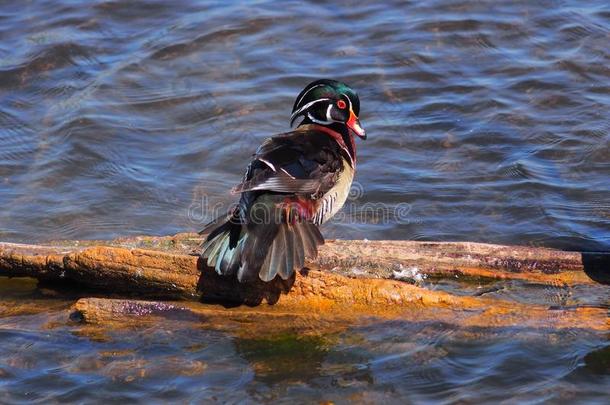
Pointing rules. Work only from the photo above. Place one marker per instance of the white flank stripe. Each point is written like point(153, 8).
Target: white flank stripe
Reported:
point(289, 175)
point(268, 163)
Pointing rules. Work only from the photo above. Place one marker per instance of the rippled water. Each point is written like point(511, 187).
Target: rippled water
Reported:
point(488, 121)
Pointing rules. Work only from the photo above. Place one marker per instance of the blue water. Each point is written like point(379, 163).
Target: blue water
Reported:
point(487, 121)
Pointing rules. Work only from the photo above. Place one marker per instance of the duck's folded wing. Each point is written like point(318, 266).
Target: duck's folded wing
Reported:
point(283, 182)
point(293, 163)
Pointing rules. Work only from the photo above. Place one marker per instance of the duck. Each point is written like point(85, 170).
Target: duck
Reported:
point(295, 182)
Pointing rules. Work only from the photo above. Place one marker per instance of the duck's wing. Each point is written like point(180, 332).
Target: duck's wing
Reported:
point(303, 162)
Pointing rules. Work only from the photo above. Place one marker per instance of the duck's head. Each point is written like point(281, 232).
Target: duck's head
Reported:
point(329, 103)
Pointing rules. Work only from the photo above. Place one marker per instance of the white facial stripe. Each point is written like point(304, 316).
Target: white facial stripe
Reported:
point(306, 106)
point(328, 114)
point(304, 94)
point(317, 121)
point(328, 117)
point(348, 99)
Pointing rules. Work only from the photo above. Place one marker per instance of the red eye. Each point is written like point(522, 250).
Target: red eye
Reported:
point(341, 104)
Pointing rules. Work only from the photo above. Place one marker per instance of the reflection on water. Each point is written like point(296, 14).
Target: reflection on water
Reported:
point(44, 357)
point(488, 120)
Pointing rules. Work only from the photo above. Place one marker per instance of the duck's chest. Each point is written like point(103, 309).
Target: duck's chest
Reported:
point(334, 199)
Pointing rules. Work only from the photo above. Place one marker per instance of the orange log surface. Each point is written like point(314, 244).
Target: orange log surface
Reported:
point(349, 277)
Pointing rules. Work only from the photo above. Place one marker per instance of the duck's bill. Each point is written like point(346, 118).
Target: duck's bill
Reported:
point(354, 124)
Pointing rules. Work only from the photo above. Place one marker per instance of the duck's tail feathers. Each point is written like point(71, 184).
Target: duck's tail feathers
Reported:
point(292, 244)
point(223, 245)
point(263, 250)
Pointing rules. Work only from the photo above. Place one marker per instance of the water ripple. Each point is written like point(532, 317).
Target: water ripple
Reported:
point(116, 118)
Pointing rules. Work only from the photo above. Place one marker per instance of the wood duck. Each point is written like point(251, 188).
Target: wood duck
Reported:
point(295, 182)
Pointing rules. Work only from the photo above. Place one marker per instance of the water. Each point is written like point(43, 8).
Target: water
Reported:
point(487, 121)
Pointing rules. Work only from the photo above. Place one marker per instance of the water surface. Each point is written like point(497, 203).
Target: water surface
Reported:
point(487, 121)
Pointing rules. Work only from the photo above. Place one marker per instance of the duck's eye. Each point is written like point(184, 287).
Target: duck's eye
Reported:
point(341, 104)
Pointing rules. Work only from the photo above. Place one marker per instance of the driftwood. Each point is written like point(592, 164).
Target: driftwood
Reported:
point(469, 313)
point(350, 278)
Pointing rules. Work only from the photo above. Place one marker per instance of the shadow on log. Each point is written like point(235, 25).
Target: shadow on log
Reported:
point(229, 292)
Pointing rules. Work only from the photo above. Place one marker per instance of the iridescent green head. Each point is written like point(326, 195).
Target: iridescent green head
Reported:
point(329, 103)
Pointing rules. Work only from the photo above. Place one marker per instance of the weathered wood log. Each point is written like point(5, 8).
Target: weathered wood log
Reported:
point(248, 321)
point(462, 311)
point(159, 262)
point(349, 276)
point(540, 265)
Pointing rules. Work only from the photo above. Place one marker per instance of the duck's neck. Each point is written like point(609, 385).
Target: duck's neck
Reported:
point(341, 134)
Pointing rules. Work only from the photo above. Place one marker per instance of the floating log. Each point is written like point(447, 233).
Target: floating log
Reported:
point(349, 277)
point(167, 264)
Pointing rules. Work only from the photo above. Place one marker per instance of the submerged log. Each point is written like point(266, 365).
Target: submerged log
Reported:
point(349, 277)
point(304, 317)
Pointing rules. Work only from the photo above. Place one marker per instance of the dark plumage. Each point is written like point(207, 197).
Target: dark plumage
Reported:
point(295, 182)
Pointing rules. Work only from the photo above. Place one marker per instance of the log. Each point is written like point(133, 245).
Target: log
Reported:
point(303, 319)
point(350, 278)
point(355, 258)
point(239, 321)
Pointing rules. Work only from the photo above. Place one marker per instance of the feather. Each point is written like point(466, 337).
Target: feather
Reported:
point(309, 247)
point(214, 248)
point(209, 246)
point(281, 183)
point(299, 249)
point(288, 268)
point(235, 261)
point(265, 272)
point(275, 257)
point(314, 236)
point(221, 253)
point(305, 161)
point(242, 272)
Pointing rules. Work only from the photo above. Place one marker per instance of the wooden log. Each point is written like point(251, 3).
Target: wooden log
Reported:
point(442, 259)
point(350, 279)
point(305, 318)
point(381, 259)
point(246, 321)
point(164, 266)
point(142, 272)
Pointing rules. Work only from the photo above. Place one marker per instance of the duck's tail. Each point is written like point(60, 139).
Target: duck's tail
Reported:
point(262, 249)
